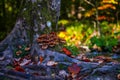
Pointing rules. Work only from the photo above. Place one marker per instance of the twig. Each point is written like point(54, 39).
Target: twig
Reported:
point(88, 2)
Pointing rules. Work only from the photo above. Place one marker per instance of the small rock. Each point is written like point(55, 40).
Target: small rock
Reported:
point(51, 63)
point(2, 58)
point(63, 73)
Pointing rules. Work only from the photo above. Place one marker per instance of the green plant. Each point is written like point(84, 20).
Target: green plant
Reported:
point(73, 49)
point(76, 33)
point(105, 42)
point(21, 51)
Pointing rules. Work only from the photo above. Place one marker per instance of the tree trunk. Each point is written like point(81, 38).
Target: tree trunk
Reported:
point(31, 23)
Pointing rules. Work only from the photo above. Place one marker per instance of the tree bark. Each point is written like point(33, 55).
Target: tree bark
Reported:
point(31, 23)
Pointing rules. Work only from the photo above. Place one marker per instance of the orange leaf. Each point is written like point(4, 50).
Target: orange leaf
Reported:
point(66, 51)
point(41, 59)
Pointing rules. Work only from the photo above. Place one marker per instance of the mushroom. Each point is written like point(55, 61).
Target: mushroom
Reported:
point(51, 44)
point(27, 48)
point(49, 40)
point(45, 46)
point(18, 52)
point(62, 40)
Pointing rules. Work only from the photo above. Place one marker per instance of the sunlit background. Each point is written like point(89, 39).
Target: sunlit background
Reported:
point(80, 21)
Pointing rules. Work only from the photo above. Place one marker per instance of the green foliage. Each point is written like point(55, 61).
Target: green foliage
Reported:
point(24, 52)
point(104, 41)
point(106, 28)
point(73, 49)
point(63, 22)
point(117, 33)
point(77, 32)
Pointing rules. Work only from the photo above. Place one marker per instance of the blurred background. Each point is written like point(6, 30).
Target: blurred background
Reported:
point(79, 20)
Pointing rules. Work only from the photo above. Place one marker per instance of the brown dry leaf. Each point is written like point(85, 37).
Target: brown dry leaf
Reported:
point(74, 69)
point(66, 51)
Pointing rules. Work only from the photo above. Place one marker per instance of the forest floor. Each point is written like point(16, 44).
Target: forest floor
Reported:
point(46, 64)
point(51, 65)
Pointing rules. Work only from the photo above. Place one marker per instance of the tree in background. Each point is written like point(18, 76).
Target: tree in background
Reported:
point(9, 10)
point(73, 10)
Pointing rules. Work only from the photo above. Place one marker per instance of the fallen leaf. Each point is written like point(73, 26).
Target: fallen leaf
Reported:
point(41, 59)
point(74, 69)
point(66, 51)
point(18, 68)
